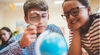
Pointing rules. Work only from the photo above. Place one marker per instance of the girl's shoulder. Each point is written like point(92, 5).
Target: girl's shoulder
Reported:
point(95, 26)
point(96, 21)
point(95, 18)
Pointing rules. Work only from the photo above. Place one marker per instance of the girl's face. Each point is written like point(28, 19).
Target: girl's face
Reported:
point(4, 35)
point(76, 14)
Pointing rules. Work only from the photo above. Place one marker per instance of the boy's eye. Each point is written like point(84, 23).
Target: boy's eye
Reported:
point(43, 16)
point(35, 16)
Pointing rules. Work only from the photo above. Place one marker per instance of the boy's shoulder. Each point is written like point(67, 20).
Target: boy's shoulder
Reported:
point(54, 28)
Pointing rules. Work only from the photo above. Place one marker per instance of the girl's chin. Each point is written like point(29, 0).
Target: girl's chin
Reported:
point(74, 28)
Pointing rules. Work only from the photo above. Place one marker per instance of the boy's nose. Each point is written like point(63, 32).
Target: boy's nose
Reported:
point(41, 21)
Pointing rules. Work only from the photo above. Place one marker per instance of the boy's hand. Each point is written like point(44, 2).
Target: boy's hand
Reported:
point(28, 36)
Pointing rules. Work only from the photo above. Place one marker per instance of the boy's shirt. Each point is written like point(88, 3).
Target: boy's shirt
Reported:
point(15, 49)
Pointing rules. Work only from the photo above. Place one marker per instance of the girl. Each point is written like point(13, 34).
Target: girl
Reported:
point(85, 27)
point(5, 35)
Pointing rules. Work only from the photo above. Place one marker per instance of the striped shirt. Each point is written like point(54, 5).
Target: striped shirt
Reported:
point(90, 41)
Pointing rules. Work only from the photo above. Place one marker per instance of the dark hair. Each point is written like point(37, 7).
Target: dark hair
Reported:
point(39, 4)
point(83, 2)
point(7, 29)
point(89, 23)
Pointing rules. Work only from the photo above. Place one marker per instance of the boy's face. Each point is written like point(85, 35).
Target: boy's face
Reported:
point(76, 14)
point(38, 18)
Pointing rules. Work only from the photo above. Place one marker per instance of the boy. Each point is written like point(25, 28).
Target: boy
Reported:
point(36, 14)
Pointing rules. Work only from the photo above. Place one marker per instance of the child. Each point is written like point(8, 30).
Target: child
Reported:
point(85, 27)
point(5, 35)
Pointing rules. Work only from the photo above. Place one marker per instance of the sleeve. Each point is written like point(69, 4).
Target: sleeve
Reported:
point(15, 38)
point(95, 28)
point(12, 49)
point(70, 37)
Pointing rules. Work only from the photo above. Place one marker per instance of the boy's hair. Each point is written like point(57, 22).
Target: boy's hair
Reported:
point(39, 4)
point(83, 2)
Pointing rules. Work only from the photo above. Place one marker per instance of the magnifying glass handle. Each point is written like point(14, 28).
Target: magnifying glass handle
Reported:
point(35, 25)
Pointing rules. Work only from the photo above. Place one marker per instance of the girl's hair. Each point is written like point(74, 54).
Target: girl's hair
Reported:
point(83, 2)
point(92, 18)
point(7, 29)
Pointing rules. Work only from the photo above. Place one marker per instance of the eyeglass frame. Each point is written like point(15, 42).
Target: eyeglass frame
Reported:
point(69, 12)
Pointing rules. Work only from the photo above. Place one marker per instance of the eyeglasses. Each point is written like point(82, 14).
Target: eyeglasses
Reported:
point(36, 16)
point(74, 12)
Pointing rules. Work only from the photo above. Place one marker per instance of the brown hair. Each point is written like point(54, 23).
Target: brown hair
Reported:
point(83, 2)
point(7, 29)
point(39, 4)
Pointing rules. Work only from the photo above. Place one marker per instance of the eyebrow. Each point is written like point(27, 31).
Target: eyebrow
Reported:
point(71, 9)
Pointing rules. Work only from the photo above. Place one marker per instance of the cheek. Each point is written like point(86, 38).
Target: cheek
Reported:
point(68, 23)
point(44, 24)
point(7, 36)
point(83, 19)
point(83, 16)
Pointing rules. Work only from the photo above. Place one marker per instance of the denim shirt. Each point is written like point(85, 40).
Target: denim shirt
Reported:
point(15, 49)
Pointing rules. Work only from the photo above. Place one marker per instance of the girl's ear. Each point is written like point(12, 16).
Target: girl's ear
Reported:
point(89, 10)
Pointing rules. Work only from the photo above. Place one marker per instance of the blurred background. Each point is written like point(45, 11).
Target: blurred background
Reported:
point(12, 15)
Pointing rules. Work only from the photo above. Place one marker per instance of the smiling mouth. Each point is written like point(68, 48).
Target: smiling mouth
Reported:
point(73, 22)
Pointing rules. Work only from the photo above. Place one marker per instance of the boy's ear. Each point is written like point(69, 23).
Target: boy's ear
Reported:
point(89, 10)
point(48, 16)
point(26, 20)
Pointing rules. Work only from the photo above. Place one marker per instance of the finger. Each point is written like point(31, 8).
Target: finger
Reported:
point(32, 40)
point(33, 36)
point(30, 28)
point(31, 32)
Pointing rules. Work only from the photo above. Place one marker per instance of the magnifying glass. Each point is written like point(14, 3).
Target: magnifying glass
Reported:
point(37, 16)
